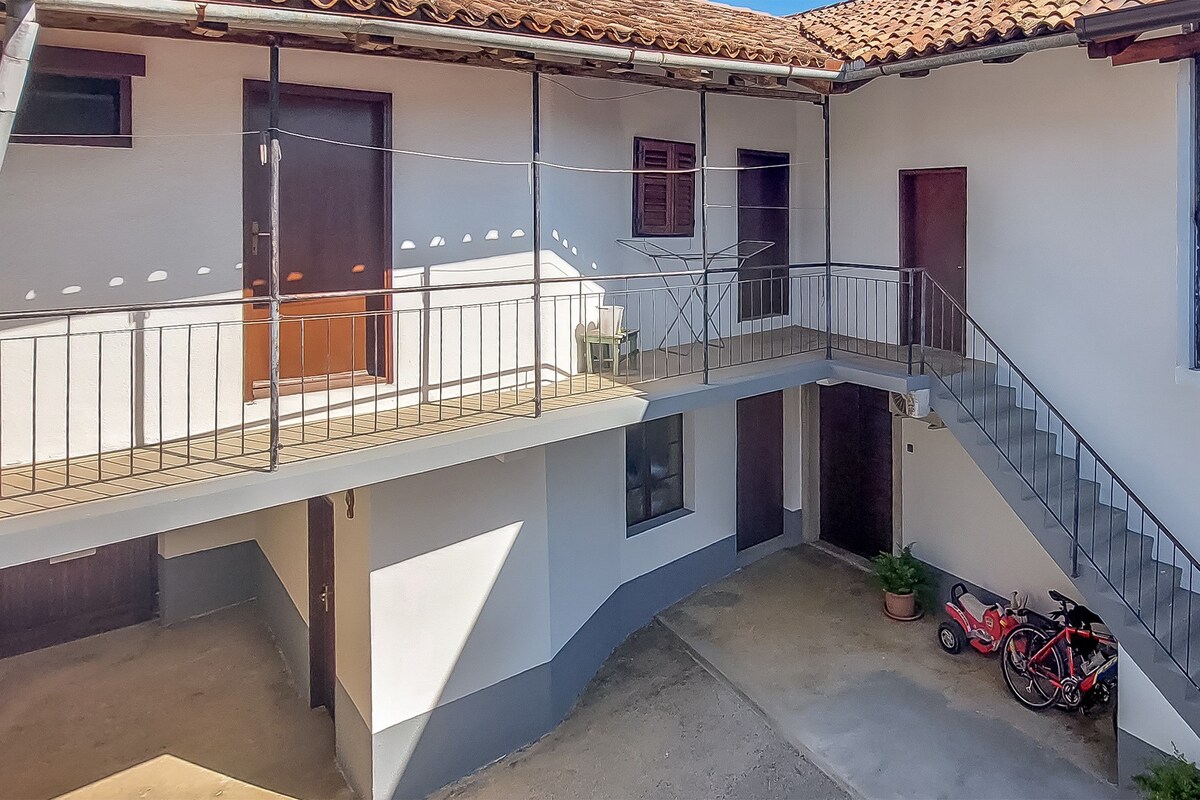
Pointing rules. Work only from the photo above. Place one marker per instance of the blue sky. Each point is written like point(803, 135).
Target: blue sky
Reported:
point(778, 6)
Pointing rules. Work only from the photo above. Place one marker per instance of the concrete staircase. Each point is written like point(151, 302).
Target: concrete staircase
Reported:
point(1128, 568)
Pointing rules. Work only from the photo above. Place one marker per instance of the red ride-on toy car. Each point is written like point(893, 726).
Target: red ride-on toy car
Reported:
point(983, 626)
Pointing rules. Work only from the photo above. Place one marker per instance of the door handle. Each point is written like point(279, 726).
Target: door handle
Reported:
point(255, 234)
point(324, 597)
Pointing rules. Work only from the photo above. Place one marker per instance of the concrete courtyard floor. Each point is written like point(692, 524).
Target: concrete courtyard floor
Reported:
point(654, 723)
point(877, 704)
point(202, 709)
point(786, 680)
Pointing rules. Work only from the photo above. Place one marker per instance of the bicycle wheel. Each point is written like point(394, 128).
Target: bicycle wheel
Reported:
point(1032, 687)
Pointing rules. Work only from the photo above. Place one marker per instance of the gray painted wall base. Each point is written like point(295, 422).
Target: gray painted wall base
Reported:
point(284, 621)
point(200, 583)
point(793, 535)
point(1133, 756)
point(417, 756)
point(352, 740)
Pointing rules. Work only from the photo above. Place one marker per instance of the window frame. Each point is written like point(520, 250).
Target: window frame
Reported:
point(678, 225)
point(73, 62)
point(646, 483)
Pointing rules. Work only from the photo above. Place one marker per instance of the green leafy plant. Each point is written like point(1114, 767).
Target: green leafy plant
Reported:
point(901, 573)
point(1172, 778)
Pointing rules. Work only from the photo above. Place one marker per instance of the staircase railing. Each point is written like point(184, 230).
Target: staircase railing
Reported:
point(1108, 524)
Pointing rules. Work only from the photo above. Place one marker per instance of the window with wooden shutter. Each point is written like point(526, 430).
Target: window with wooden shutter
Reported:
point(664, 204)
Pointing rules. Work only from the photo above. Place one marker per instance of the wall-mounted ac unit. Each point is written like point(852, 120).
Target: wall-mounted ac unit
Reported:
point(911, 404)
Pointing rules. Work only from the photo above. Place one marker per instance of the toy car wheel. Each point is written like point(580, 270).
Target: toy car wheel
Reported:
point(949, 638)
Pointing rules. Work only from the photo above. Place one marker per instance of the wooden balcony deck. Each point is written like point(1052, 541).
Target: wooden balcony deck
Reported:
point(52, 485)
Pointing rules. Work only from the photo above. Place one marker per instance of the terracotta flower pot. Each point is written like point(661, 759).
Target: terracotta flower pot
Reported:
point(900, 606)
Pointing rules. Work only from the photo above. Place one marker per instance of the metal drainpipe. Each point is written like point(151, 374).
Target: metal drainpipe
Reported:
point(20, 34)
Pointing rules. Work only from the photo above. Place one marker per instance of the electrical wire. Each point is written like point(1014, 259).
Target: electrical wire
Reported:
point(582, 96)
point(525, 164)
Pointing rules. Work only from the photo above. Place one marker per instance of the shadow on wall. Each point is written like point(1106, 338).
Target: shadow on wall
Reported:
point(463, 670)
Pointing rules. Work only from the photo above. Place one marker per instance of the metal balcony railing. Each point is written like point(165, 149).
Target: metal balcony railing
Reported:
point(96, 401)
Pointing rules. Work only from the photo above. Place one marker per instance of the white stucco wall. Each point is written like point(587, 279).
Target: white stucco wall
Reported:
point(209, 535)
point(283, 537)
point(485, 570)
point(352, 603)
point(162, 221)
point(957, 521)
point(1145, 713)
point(459, 587)
point(1073, 182)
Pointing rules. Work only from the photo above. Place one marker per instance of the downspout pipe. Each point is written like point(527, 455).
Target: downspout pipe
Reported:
point(21, 30)
point(310, 23)
point(859, 72)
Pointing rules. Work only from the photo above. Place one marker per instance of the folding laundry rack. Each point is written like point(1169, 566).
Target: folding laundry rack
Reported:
point(741, 252)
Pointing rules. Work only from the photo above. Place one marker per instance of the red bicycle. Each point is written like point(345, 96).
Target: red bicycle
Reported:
point(1063, 662)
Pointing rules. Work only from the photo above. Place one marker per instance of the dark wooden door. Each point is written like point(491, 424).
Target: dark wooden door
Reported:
point(933, 237)
point(762, 192)
point(759, 469)
point(55, 601)
point(856, 468)
point(335, 223)
point(322, 672)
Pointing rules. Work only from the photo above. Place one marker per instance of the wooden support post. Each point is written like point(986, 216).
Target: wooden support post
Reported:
point(273, 280)
point(536, 189)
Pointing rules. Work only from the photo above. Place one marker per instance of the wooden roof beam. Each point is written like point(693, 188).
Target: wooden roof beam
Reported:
point(1165, 48)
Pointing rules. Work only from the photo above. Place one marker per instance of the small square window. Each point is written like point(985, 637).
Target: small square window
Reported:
point(78, 97)
point(653, 469)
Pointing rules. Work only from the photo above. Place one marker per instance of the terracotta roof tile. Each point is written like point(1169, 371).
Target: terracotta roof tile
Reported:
point(891, 30)
point(691, 26)
point(871, 30)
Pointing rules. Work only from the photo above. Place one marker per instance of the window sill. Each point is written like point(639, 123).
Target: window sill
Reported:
point(662, 519)
point(1185, 376)
point(66, 140)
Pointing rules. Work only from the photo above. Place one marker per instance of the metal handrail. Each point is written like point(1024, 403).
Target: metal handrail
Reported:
point(175, 305)
point(1081, 444)
point(1061, 418)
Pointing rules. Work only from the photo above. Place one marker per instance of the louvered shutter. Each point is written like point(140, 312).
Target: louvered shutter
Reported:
point(684, 195)
point(663, 203)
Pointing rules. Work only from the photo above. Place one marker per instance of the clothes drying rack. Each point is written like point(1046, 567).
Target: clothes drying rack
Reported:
point(739, 252)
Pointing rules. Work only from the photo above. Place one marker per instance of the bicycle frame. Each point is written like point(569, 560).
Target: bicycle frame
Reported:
point(1064, 635)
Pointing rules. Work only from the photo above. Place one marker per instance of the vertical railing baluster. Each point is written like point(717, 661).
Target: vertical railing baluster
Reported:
point(1075, 516)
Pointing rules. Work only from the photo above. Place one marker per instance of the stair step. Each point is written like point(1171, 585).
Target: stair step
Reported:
point(1145, 583)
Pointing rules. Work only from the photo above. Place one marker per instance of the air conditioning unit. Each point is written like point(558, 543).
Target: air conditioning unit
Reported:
point(913, 404)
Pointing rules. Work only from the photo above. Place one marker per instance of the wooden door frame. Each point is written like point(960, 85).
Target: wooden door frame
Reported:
point(383, 99)
point(902, 229)
point(787, 156)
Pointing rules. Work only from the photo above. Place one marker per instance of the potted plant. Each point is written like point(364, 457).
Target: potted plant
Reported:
point(1172, 778)
point(903, 578)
